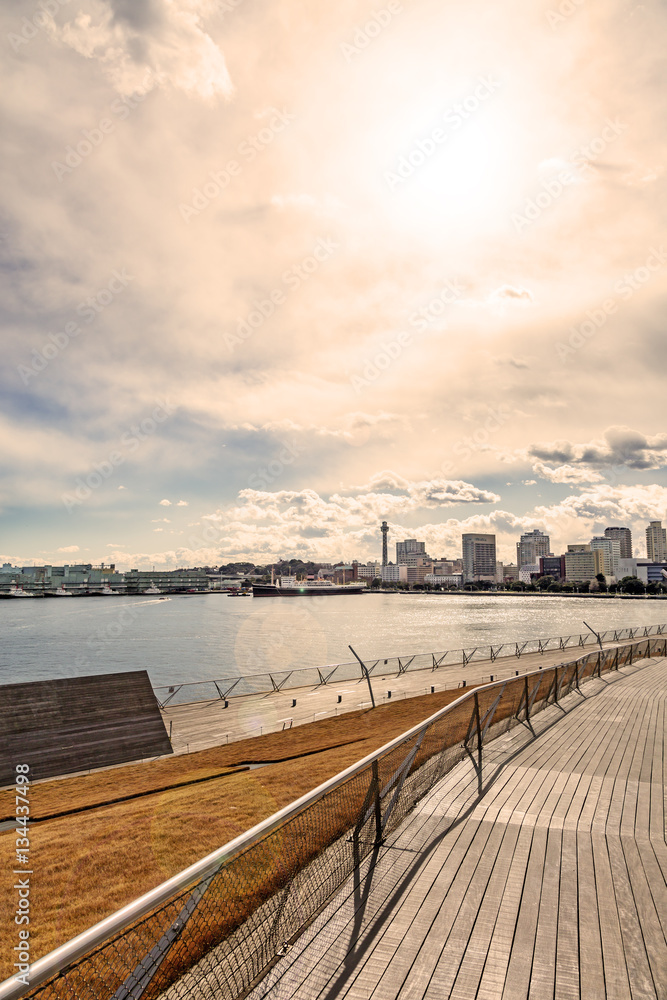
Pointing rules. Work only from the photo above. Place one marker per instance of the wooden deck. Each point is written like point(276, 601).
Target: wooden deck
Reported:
point(542, 877)
point(203, 724)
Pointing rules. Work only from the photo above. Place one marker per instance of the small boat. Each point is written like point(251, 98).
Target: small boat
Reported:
point(61, 592)
point(152, 590)
point(15, 591)
point(108, 592)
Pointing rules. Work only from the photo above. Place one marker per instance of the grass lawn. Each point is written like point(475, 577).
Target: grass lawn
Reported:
point(89, 864)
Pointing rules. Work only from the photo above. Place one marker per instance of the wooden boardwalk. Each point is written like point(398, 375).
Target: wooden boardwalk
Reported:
point(543, 876)
point(203, 724)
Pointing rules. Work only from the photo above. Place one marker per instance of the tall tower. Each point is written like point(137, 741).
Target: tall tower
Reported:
point(532, 545)
point(384, 529)
point(624, 536)
point(479, 557)
point(656, 542)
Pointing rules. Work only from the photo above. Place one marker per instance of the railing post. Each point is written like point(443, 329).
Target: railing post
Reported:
point(366, 674)
point(478, 723)
point(378, 805)
point(525, 688)
point(555, 685)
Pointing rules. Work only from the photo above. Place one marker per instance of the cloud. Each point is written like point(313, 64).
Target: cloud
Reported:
point(620, 446)
point(582, 515)
point(183, 503)
point(69, 548)
point(165, 503)
point(520, 363)
point(264, 526)
point(389, 489)
point(160, 520)
point(556, 451)
point(508, 293)
point(142, 44)
point(566, 474)
point(384, 482)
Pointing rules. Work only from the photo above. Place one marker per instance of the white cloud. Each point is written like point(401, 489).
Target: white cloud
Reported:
point(165, 503)
point(142, 45)
point(183, 503)
point(566, 474)
point(635, 503)
point(69, 548)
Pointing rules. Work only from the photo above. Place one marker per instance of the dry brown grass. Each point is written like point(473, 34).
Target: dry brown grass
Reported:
point(88, 865)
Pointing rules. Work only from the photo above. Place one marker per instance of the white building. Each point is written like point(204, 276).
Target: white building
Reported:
point(394, 574)
point(528, 570)
point(644, 569)
point(611, 552)
point(656, 542)
point(444, 580)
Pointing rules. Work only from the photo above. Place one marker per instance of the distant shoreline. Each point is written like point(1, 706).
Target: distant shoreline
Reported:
point(523, 593)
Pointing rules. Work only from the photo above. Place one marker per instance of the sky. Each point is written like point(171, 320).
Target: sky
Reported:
point(275, 272)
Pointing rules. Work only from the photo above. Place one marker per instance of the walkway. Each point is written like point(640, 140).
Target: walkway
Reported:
point(203, 724)
point(545, 877)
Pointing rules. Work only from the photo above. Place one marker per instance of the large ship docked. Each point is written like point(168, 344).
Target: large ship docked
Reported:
point(313, 588)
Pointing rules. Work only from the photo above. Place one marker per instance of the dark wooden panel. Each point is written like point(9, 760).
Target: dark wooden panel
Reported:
point(75, 723)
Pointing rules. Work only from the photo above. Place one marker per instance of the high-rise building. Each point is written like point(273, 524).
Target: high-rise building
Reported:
point(409, 550)
point(384, 529)
point(656, 542)
point(531, 547)
point(479, 557)
point(611, 552)
point(624, 537)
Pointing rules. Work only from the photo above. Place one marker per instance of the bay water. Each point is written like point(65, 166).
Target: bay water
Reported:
point(190, 638)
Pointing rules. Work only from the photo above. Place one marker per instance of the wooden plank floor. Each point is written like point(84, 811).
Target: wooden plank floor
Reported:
point(550, 884)
point(203, 724)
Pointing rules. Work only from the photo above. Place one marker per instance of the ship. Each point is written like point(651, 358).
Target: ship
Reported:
point(314, 588)
point(15, 591)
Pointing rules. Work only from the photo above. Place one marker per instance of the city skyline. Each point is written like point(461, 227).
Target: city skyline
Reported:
point(273, 275)
point(616, 544)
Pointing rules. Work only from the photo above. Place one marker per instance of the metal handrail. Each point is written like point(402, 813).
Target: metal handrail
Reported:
point(515, 649)
point(72, 950)
point(64, 956)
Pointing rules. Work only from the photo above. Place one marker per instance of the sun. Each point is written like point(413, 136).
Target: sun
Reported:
point(458, 176)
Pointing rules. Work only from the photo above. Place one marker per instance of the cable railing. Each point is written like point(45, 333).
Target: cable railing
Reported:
point(262, 682)
point(217, 927)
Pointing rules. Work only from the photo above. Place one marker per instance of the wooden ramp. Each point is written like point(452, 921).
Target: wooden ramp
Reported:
point(540, 875)
point(75, 723)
